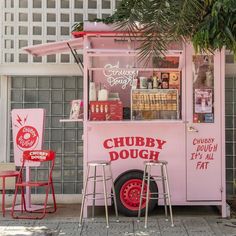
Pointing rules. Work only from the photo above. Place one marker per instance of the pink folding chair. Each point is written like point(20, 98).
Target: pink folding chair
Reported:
point(35, 156)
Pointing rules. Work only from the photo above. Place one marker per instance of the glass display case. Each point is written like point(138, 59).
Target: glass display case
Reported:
point(122, 88)
point(152, 104)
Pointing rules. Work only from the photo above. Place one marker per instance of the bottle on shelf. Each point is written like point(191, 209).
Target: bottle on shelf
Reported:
point(150, 83)
point(102, 94)
point(143, 82)
point(92, 91)
point(156, 80)
point(135, 83)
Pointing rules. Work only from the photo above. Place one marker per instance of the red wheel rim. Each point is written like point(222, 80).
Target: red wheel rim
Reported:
point(130, 194)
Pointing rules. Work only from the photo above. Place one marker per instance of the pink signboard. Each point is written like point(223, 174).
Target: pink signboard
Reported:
point(128, 146)
point(27, 127)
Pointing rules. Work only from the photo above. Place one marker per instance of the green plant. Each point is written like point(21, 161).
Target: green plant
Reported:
point(160, 22)
point(218, 27)
point(78, 26)
point(209, 24)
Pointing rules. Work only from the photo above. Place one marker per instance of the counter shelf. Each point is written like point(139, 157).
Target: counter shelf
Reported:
point(71, 120)
point(137, 122)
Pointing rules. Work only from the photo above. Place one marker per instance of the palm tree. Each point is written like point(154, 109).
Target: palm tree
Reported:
point(159, 21)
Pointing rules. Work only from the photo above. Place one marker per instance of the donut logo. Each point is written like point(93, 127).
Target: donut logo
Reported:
point(27, 137)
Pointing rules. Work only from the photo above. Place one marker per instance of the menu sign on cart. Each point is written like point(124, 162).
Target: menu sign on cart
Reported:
point(27, 127)
point(203, 89)
point(203, 101)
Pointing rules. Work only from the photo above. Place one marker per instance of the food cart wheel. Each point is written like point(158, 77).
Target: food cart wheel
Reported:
point(128, 189)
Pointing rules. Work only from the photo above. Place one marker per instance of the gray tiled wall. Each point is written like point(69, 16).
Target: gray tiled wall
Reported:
point(31, 22)
point(230, 134)
point(54, 95)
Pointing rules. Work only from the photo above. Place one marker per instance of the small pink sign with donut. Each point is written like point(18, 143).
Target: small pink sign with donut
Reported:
point(27, 127)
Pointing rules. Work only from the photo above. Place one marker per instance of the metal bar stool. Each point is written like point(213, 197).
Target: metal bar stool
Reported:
point(163, 177)
point(98, 178)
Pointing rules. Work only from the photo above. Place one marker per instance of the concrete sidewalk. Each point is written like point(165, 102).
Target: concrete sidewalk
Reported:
point(191, 221)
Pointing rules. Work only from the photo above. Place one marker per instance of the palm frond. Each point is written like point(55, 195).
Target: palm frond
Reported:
point(209, 24)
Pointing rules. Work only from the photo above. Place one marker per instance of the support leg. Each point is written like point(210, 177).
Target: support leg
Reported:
point(14, 203)
point(168, 194)
point(163, 179)
point(147, 197)
point(3, 196)
point(105, 194)
point(53, 197)
point(114, 195)
point(83, 197)
point(141, 193)
point(94, 190)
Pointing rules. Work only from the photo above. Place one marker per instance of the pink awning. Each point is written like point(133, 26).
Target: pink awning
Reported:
point(55, 47)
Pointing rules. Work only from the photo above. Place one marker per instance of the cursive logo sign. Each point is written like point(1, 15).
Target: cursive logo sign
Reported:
point(117, 76)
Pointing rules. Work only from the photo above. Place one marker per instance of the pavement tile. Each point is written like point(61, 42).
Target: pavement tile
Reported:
point(152, 229)
point(121, 228)
point(192, 222)
point(167, 230)
point(197, 226)
point(23, 230)
point(228, 227)
point(98, 227)
point(69, 228)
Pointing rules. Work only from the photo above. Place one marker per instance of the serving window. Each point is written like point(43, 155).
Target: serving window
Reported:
point(123, 88)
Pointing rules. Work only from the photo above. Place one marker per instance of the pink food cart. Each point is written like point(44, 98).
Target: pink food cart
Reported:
point(170, 108)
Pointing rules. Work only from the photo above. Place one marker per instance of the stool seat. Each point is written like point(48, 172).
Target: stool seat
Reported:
point(98, 163)
point(165, 194)
point(155, 163)
point(94, 178)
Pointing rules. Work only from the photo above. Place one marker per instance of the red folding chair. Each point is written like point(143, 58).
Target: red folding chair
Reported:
point(34, 156)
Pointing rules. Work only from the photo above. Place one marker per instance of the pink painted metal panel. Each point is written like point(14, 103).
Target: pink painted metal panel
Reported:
point(204, 165)
point(204, 155)
point(107, 142)
point(28, 130)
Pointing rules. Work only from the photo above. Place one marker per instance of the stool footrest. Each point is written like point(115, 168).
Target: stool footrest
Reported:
point(96, 198)
point(98, 178)
point(90, 194)
point(163, 196)
point(155, 178)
